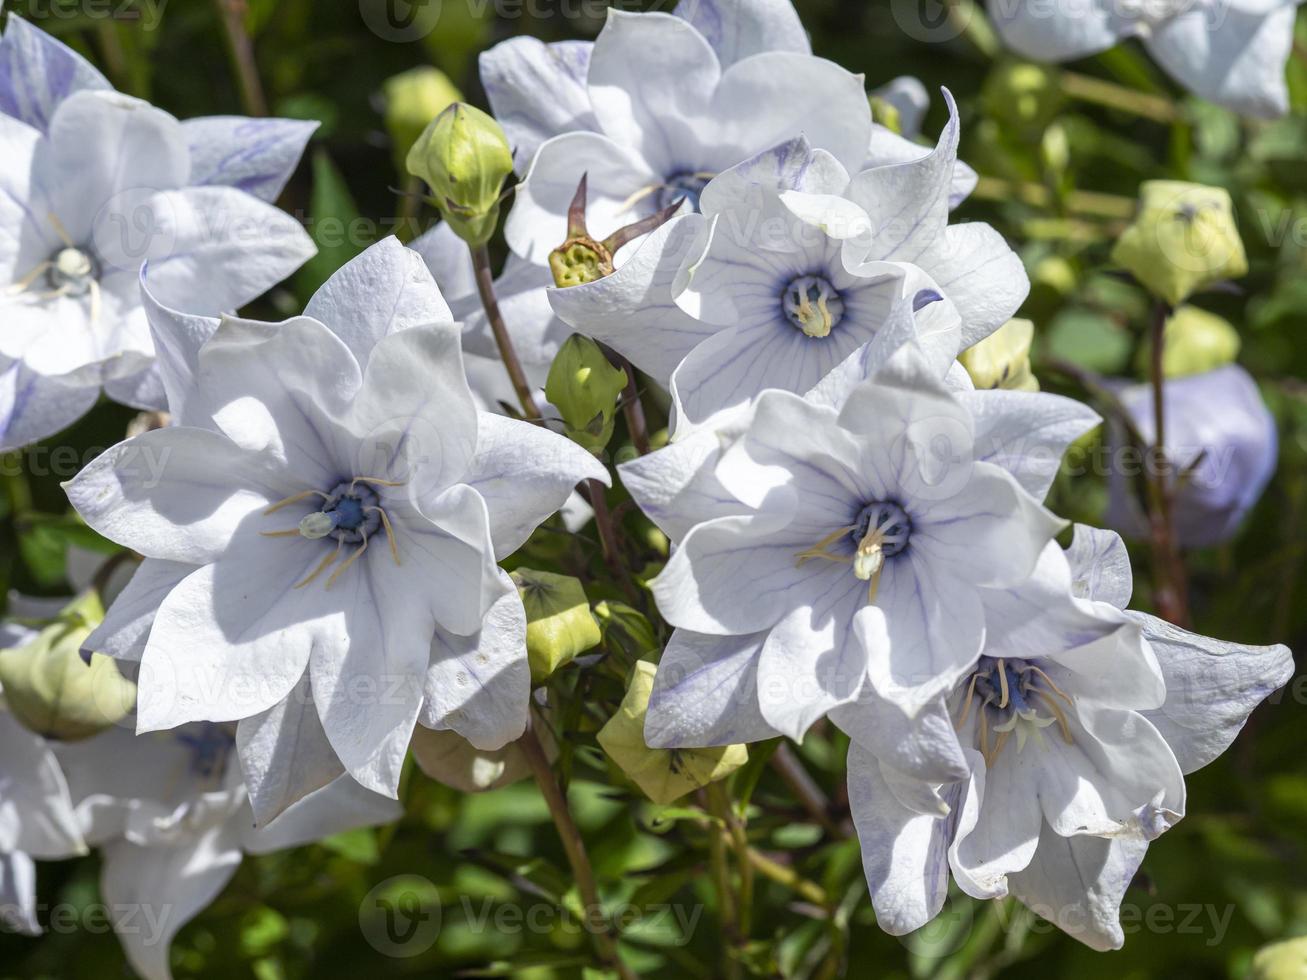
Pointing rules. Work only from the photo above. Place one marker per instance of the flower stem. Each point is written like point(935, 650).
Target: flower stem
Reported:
point(1168, 565)
point(791, 879)
point(633, 410)
point(232, 14)
point(596, 920)
point(485, 279)
point(803, 786)
point(1099, 91)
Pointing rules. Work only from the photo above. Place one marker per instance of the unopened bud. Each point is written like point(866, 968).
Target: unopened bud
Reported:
point(464, 157)
point(585, 387)
point(665, 775)
point(52, 691)
point(1183, 239)
point(1002, 360)
point(1196, 342)
point(559, 624)
point(413, 99)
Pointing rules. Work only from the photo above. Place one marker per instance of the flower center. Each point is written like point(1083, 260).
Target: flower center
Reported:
point(687, 184)
point(1010, 696)
point(881, 530)
point(210, 745)
point(813, 305)
point(350, 514)
point(72, 272)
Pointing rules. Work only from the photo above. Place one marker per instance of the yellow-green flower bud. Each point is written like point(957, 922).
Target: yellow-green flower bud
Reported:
point(449, 758)
point(1002, 360)
point(413, 99)
point(1183, 238)
point(1022, 96)
point(464, 157)
point(559, 624)
point(52, 691)
point(886, 113)
point(1196, 342)
point(626, 629)
point(665, 775)
point(1281, 961)
point(585, 387)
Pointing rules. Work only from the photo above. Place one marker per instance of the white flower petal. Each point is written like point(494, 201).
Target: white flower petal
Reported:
point(168, 885)
point(126, 625)
point(1078, 884)
point(36, 812)
point(18, 894)
point(37, 73)
point(285, 754)
point(33, 407)
point(706, 694)
point(338, 807)
point(174, 493)
point(537, 91)
point(525, 473)
point(1100, 566)
point(257, 156)
point(384, 290)
point(737, 29)
point(480, 685)
point(1061, 30)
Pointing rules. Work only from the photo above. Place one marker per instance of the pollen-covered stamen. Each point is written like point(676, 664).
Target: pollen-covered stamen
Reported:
point(813, 305)
point(1012, 697)
point(881, 531)
point(350, 514)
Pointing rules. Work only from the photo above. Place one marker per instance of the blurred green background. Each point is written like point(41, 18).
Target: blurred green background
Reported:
point(1047, 148)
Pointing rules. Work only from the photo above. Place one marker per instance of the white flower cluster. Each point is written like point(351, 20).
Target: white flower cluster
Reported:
point(859, 535)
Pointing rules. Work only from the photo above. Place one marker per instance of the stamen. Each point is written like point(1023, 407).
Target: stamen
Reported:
point(390, 533)
point(24, 284)
point(1002, 683)
point(819, 550)
point(1051, 684)
point(60, 230)
point(325, 564)
point(294, 499)
point(335, 576)
point(966, 708)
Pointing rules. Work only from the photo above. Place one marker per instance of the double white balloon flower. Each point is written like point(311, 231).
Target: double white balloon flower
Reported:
point(858, 534)
point(95, 185)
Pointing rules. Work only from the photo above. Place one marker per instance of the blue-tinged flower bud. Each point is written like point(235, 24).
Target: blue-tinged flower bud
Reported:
point(665, 775)
point(1002, 360)
point(559, 624)
point(1222, 442)
point(52, 691)
point(1023, 96)
point(1196, 341)
point(449, 758)
point(1183, 238)
point(585, 387)
point(413, 99)
point(464, 157)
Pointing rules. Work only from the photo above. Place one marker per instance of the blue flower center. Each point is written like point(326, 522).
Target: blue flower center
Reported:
point(355, 511)
point(887, 518)
point(1011, 696)
point(813, 305)
point(210, 746)
point(686, 184)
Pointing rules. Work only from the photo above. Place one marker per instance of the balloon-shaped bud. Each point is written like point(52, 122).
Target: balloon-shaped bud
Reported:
point(1281, 961)
point(1196, 342)
point(585, 387)
point(55, 693)
point(664, 775)
point(414, 98)
point(1184, 237)
point(1002, 360)
point(559, 624)
point(464, 157)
